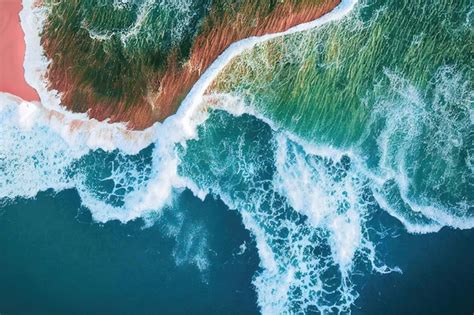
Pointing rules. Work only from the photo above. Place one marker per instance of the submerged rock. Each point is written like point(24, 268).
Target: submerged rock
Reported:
point(135, 61)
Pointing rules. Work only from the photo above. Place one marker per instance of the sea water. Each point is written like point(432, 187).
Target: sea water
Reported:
point(325, 177)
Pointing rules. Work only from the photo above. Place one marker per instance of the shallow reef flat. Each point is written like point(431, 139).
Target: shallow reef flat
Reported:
point(135, 61)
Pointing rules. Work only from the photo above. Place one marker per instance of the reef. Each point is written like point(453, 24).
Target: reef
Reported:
point(135, 61)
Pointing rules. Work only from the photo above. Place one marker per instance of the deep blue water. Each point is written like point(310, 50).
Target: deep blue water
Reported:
point(55, 260)
point(438, 274)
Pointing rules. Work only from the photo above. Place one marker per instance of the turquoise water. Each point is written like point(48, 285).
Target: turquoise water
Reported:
point(332, 174)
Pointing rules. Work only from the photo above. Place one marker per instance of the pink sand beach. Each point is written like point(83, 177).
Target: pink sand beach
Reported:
point(12, 52)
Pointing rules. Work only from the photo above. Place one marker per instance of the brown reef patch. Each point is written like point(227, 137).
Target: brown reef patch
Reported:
point(161, 94)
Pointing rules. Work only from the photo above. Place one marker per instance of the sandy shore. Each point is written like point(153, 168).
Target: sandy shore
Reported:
point(12, 52)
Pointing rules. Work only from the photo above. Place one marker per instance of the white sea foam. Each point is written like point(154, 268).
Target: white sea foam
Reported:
point(310, 190)
point(325, 187)
point(31, 158)
point(408, 115)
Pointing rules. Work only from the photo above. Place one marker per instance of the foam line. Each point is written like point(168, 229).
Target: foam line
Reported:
point(191, 103)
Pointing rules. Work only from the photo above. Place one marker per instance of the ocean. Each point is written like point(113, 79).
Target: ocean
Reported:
point(55, 260)
point(327, 171)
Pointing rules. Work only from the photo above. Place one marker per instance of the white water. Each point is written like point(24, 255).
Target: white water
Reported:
point(331, 197)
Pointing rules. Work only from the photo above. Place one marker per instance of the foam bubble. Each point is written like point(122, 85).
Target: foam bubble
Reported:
point(32, 158)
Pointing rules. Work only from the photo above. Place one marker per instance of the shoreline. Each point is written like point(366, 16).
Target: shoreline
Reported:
point(12, 52)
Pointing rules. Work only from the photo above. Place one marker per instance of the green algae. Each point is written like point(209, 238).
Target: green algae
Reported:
point(116, 49)
point(323, 84)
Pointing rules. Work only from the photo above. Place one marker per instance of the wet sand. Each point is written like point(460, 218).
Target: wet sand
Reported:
point(12, 52)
